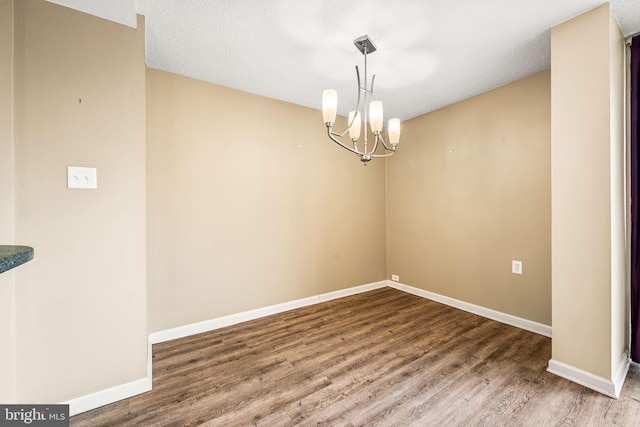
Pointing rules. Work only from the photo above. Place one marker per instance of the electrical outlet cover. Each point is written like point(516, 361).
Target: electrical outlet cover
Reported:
point(516, 267)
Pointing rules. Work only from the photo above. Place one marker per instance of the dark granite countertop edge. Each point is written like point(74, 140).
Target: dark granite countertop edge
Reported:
point(12, 256)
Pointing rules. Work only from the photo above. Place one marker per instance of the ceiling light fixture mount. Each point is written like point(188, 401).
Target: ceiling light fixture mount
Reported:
point(372, 113)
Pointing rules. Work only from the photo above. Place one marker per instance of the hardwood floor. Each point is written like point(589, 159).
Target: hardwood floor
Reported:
point(383, 357)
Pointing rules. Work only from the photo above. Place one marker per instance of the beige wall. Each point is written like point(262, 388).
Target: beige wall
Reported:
point(7, 284)
point(80, 305)
point(470, 192)
point(250, 204)
point(588, 193)
point(620, 320)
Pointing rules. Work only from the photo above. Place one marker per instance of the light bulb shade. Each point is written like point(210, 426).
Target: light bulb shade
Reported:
point(394, 131)
point(354, 129)
point(375, 113)
point(329, 105)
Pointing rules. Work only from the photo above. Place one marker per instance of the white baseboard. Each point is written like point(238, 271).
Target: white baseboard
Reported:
point(232, 319)
point(611, 388)
point(113, 394)
point(508, 319)
point(120, 392)
point(621, 374)
point(110, 395)
point(602, 385)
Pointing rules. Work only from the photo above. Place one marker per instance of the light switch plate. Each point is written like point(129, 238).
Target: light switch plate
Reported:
point(81, 177)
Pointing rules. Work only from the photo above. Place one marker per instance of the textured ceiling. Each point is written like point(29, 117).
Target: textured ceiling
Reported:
point(431, 53)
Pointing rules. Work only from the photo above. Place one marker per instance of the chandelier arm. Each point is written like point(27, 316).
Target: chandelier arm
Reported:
point(339, 135)
point(386, 147)
point(378, 156)
point(375, 143)
point(353, 119)
point(340, 143)
point(391, 150)
point(359, 90)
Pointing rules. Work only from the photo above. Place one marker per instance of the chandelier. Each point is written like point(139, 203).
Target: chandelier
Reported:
point(372, 112)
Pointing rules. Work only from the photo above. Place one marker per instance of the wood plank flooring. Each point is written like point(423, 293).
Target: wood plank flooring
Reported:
point(383, 358)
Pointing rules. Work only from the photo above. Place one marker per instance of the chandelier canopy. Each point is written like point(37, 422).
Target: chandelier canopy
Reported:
point(371, 112)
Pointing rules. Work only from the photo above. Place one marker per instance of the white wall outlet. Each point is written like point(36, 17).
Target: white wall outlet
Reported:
point(395, 277)
point(81, 177)
point(516, 267)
